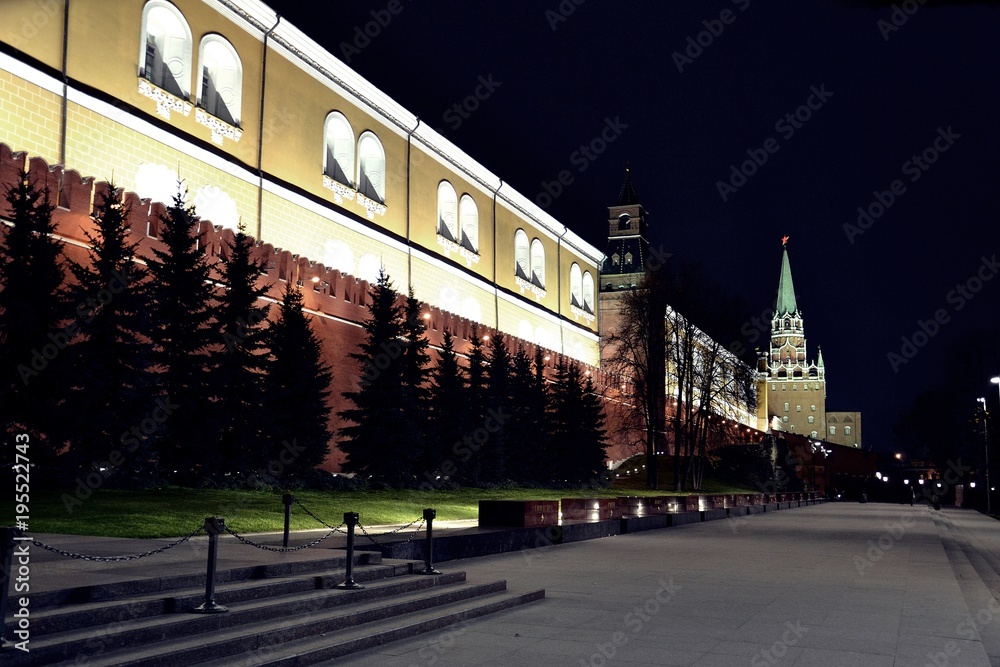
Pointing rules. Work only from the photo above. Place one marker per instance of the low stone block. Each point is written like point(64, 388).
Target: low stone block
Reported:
point(518, 513)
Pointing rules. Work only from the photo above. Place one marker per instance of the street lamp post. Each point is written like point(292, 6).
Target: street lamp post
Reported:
point(986, 447)
point(989, 489)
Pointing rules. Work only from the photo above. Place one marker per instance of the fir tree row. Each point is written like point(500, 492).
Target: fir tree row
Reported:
point(490, 419)
point(167, 369)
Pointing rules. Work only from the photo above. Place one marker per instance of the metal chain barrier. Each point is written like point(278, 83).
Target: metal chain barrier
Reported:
point(306, 510)
point(394, 531)
point(115, 559)
point(281, 549)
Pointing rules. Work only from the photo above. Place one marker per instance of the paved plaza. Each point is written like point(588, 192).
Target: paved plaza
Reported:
point(835, 584)
point(844, 584)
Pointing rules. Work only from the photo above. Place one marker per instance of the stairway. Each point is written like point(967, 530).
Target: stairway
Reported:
point(289, 614)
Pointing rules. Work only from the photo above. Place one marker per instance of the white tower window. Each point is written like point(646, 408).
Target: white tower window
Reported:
point(338, 158)
point(468, 220)
point(220, 87)
point(522, 257)
point(371, 167)
point(165, 57)
point(538, 264)
point(575, 286)
point(447, 212)
point(588, 292)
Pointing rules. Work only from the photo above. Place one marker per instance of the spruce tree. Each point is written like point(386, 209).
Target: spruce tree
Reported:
point(34, 333)
point(185, 334)
point(239, 376)
point(448, 456)
point(495, 452)
point(470, 462)
point(376, 439)
point(297, 388)
point(578, 433)
point(525, 431)
point(111, 361)
point(415, 386)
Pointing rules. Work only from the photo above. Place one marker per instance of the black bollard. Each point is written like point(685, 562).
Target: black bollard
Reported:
point(214, 525)
point(429, 515)
point(351, 519)
point(8, 539)
point(288, 499)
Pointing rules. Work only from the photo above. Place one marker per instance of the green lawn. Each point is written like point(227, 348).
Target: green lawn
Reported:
point(175, 511)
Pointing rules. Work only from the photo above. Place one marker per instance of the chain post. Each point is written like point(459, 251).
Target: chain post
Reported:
point(214, 525)
point(429, 515)
point(287, 499)
point(8, 539)
point(351, 519)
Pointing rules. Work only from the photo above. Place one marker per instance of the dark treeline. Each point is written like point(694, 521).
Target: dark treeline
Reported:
point(137, 373)
point(490, 419)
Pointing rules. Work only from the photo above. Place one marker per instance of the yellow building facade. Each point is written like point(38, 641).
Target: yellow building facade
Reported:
point(267, 128)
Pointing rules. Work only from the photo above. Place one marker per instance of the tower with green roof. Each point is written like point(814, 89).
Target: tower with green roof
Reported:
point(796, 386)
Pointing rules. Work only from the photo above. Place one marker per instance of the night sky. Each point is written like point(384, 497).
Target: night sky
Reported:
point(681, 112)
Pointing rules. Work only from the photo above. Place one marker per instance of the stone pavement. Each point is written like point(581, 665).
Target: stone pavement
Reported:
point(836, 584)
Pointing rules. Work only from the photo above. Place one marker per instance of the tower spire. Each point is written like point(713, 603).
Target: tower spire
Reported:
point(786, 290)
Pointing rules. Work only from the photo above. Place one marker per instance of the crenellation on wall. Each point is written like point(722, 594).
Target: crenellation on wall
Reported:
point(339, 299)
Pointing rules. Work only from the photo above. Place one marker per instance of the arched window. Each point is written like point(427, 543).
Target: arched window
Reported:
point(338, 160)
point(847, 430)
point(165, 59)
point(371, 167)
point(521, 256)
point(588, 292)
point(537, 264)
point(447, 215)
point(833, 430)
point(812, 419)
point(220, 89)
point(468, 221)
point(575, 286)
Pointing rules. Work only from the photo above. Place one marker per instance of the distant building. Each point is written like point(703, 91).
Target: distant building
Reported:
point(792, 387)
point(844, 428)
point(628, 258)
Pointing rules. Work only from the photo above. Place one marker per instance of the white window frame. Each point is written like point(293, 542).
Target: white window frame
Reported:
point(338, 143)
point(371, 165)
point(218, 47)
point(177, 54)
point(537, 263)
point(447, 212)
point(522, 255)
point(468, 223)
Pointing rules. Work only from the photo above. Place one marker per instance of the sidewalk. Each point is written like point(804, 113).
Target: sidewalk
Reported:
point(835, 584)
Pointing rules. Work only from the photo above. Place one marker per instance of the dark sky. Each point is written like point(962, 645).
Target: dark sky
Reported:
point(889, 92)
